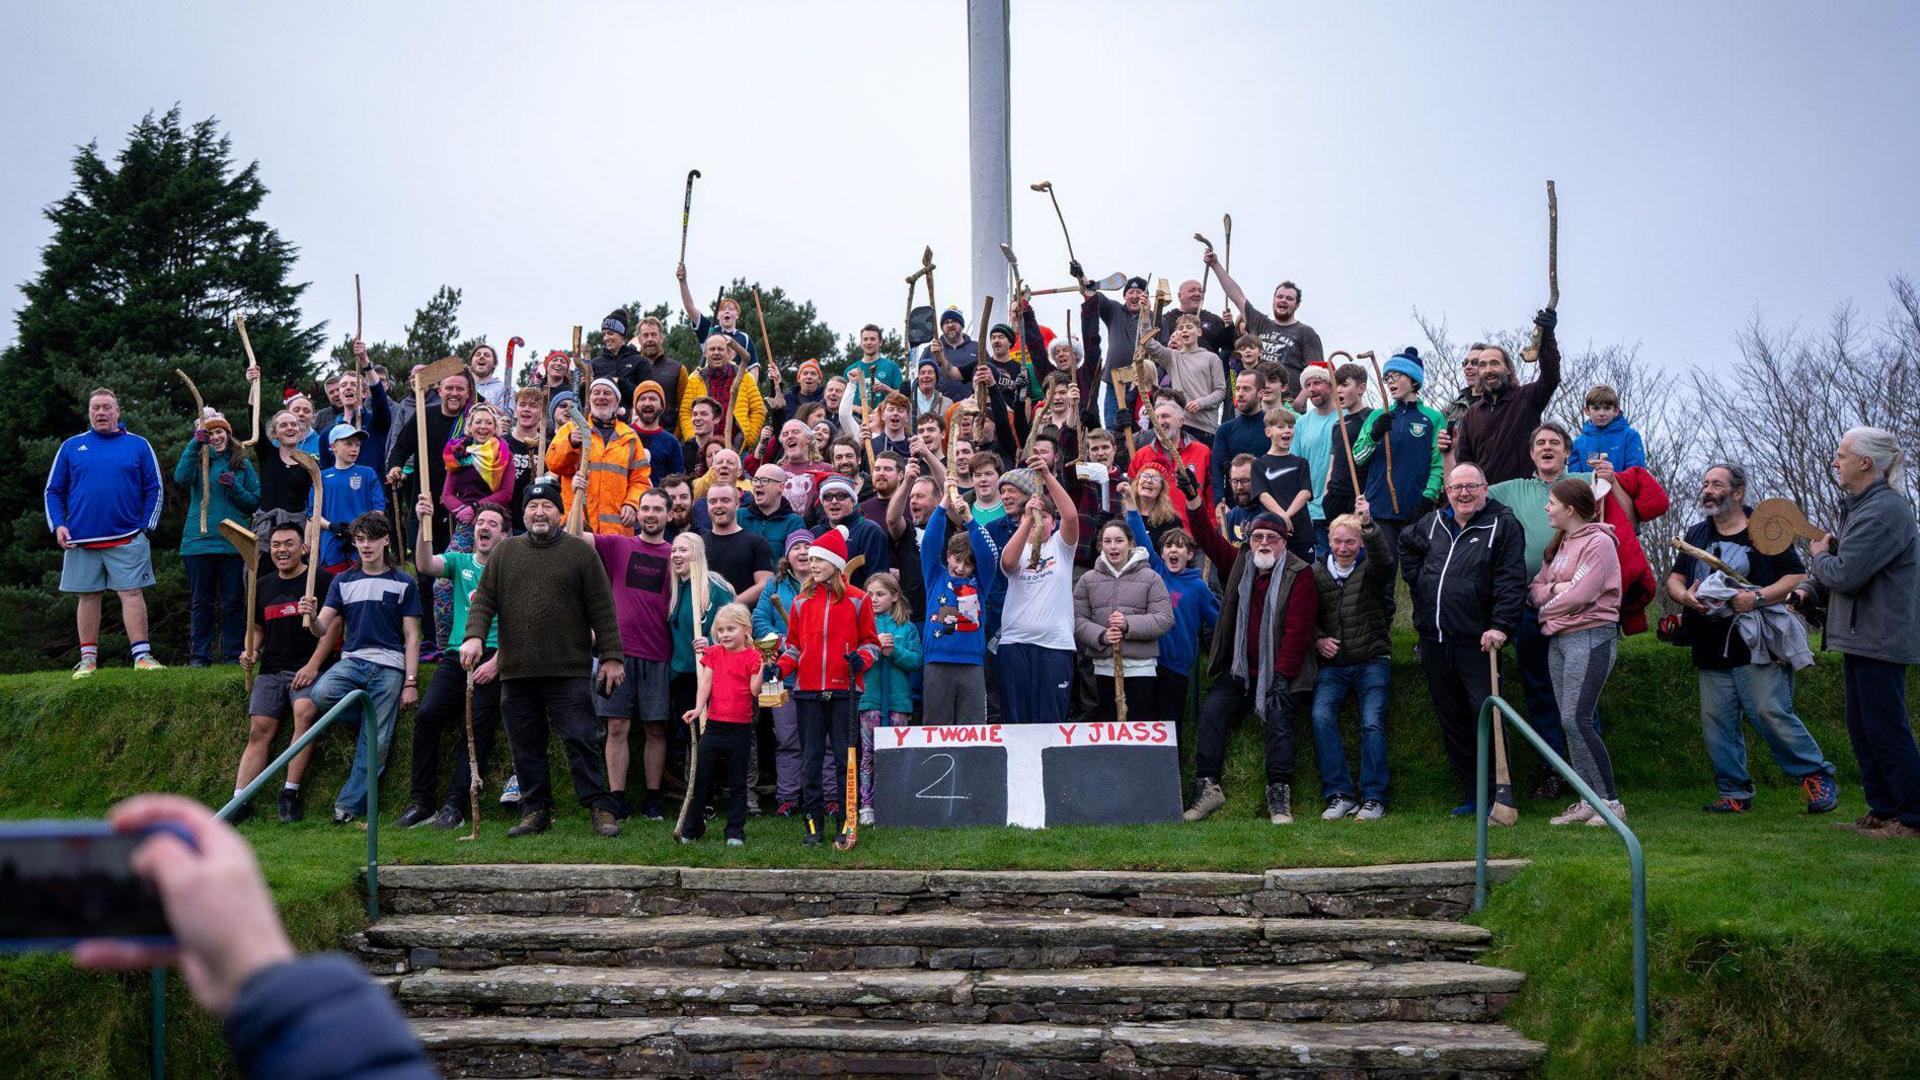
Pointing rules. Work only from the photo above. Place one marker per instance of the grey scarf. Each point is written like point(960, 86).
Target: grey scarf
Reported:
point(1269, 622)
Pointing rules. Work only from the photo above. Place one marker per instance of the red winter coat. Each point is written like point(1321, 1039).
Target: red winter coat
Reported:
point(1637, 587)
point(821, 631)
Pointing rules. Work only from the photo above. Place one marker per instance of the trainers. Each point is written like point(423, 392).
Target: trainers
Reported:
point(85, 668)
point(1338, 806)
point(1727, 804)
point(1822, 793)
point(148, 663)
point(449, 817)
point(1551, 787)
point(1575, 814)
point(866, 815)
point(1371, 810)
point(651, 811)
point(241, 813)
point(811, 836)
point(735, 841)
point(683, 839)
point(1862, 823)
point(537, 821)
point(604, 823)
point(343, 816)
point(833, 809)
point(1892, 830)
point(1280, 804)
point(291, 809)
point(786, 808)
point(1465, 809)
point(511, 793)
point(1619, 810)
point(1207, 797)
point(413, 816)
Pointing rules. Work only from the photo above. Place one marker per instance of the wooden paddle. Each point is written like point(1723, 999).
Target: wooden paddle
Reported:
point(1776, 523)
point(429, 375)
point(248, 545)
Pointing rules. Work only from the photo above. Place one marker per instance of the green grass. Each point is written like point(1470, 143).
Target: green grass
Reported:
point(1779, 946)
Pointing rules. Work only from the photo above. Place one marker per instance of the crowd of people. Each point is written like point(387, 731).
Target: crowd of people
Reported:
point(753, 566)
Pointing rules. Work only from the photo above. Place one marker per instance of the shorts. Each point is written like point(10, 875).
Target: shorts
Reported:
point(121, 568)
point(641, 696)
point(274, 695)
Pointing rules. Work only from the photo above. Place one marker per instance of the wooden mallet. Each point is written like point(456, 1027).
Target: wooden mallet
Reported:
point(1531, 354)
point(1503, 812)
point(253, 384)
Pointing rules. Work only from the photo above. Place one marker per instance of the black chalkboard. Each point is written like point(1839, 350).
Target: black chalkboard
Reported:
point(938, 787)
point(1111, 785)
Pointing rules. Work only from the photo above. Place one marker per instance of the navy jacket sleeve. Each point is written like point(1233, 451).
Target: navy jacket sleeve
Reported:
point(320, 1018)
point(1509, 576)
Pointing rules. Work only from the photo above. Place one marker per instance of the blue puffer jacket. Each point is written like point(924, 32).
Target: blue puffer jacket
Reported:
point(1618, 440)
point(889, 686)
point(1195, 607)
point(103, 487)
point(321, 1017)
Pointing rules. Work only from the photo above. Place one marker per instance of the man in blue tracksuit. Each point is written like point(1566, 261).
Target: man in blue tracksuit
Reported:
point(102, 498)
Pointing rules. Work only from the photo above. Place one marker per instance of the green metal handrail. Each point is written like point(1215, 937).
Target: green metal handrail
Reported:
point(1636, 864)
point(370, 733)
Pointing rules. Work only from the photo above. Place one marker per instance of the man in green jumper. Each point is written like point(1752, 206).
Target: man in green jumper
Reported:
point(555, 613)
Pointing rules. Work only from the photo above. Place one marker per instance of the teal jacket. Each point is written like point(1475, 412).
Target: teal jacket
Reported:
point(769, 620)
point(237, 500)
point(890, 684)
point(718, 596)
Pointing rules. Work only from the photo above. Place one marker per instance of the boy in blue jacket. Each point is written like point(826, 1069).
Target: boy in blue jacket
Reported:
point(1195, 607)
point(1608, 434)
point(958, 572)
point(349, 490)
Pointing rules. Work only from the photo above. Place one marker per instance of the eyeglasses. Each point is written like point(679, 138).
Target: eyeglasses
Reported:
point(835, 495)
point(1462, 489)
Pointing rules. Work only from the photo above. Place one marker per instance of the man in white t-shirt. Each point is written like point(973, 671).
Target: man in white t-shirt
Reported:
point(1036, 647)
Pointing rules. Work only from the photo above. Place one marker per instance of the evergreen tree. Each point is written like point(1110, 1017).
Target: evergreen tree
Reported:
point(152, 255)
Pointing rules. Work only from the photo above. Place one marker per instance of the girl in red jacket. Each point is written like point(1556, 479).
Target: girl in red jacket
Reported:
point(831, 643)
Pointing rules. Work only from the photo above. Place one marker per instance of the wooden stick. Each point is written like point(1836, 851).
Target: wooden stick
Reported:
point(473, 770)
point(1531, 354)
point(1226, 305)
point(306, 461)
point(358, 312)
point(766, 343)
point(1386, 444)
point(431, 374)
point(206, 485)
point(576, 505)
point(1502, 813)
point(253, 384)
point(247, 544)
point(697, 596)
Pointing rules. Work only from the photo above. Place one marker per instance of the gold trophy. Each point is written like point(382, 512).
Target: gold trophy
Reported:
point(772, 693)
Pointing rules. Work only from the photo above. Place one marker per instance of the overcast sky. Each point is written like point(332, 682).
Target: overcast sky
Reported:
point(1713, 159)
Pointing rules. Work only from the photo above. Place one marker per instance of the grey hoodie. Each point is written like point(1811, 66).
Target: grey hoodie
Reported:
point(1872, 575)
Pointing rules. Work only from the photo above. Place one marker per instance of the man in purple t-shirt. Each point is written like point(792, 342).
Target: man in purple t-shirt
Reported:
point(637, 566)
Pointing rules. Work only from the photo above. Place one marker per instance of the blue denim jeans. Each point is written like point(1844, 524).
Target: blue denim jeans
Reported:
point(1763, 694)
point(384, 683)
point(1369, 680)
point(218, 602)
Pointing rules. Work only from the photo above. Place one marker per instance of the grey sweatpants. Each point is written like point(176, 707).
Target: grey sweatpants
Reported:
point(953, 694)
point(1578, 662)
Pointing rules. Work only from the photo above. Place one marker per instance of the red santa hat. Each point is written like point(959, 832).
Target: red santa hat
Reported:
point(831, 545)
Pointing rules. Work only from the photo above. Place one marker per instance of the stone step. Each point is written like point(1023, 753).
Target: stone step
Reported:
point(1411, 890)
point(941, 941)
point(722, 1048)
point(1350, 991)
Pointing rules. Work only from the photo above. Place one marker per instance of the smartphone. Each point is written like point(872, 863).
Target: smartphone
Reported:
point(66, 881)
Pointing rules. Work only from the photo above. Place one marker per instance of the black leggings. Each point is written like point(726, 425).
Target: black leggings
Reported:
point(826, 723)
point(730, 744)
point(444, 705)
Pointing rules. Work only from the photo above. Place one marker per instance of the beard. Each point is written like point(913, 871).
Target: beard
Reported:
point(1493, 384)
point(1712, 504)
point(1264, 560)
point(540, 527)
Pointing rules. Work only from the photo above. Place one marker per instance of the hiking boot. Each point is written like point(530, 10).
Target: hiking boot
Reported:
point(1371, 810)
point(604, 823)
point(1338, 806)
point(1280, 804)
point(1574, 814)
point(866, 816)
point(1619, 810)
point(621, 811)
point(148, 663)
point(1862, 823)
point(413, 816)
point(1822, 793)
point(535, 821)
point(1727, 804)
point(85, 668)
point(510, 795)
point(449, 817)
point(291, 808)
point(1207, 797)
point(1551, 787)
point(1892, 830)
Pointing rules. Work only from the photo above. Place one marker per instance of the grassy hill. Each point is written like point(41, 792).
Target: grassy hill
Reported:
point(1779, 946)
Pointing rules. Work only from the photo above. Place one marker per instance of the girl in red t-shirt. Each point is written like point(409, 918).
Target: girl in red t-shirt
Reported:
point(729, 681)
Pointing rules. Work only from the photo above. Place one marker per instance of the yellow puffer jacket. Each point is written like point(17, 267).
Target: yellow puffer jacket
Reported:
point(749, 408)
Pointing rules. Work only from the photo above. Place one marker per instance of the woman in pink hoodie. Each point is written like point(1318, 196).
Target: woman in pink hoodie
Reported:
point(1578, 595)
